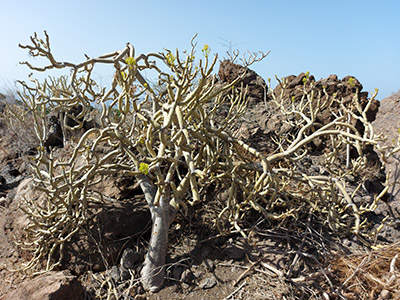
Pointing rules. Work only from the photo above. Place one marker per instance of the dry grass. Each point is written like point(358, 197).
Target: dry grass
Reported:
point(366, 275)
point(18, 134)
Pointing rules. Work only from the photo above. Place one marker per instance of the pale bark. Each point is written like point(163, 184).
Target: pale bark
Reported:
point(153, 271)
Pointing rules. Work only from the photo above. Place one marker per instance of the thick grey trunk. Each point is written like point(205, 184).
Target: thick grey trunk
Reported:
point(153, 271)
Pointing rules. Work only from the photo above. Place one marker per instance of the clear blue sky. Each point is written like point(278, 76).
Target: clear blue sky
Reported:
point(358, 38)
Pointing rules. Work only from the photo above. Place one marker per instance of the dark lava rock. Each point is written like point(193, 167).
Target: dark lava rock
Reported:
point(257, 88)
point(129, 258)
point(50, 286)
point(208, 283)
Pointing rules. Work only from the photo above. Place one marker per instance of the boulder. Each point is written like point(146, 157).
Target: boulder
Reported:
point(10, 177)
point(55, 137)
point(50, 286)
point(129, 258)
point(343, 88)
point(81, 116)
point(257, 88)
point(388, 122)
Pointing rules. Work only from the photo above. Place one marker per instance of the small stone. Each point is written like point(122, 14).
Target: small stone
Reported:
point(198, 273)
point(385, 294)
point(208, 283)
point(177, 273)
point(97, 268)
point(234, 252)
point(129, 258)
point(185, 286)
point(209, 264)
point(125, 274)
point(114, 273)
point(235, 269)
point(350, 178)
point(187, 276)
point(51, 285)
point(205, 251)
point(10, 168)
point(139, 290)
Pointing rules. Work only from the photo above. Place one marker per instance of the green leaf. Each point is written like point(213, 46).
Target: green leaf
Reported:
point(306, 76)
point(144, 168)
point(206, 50)
point(170, 59)
point(130, 61)
point(352, 81)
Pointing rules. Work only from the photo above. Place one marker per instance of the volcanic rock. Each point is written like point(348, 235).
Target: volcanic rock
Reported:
point(388, 122)
point(55, 137)
point(257, 88)
point(50, 286)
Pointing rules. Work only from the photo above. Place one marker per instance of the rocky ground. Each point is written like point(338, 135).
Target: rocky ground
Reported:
point(284, 261)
